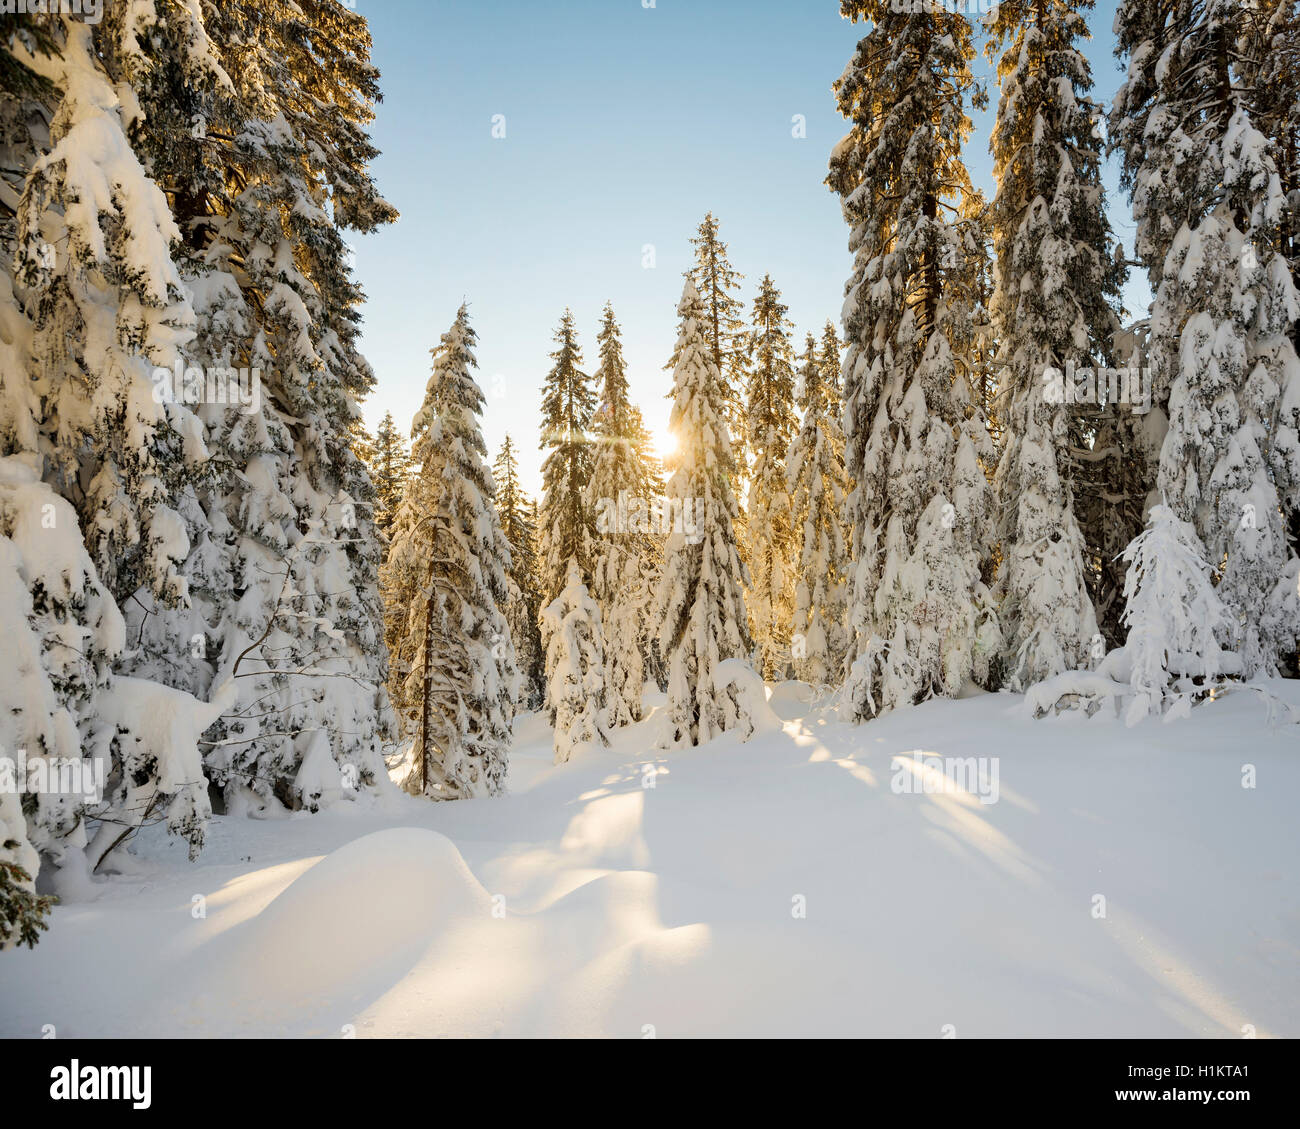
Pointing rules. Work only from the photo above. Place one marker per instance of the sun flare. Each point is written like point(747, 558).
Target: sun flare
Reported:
point(665, 443)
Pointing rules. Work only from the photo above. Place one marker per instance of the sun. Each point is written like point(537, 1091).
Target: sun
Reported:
point(665, 443)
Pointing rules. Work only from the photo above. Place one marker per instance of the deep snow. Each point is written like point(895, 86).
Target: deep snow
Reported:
point(587, 902)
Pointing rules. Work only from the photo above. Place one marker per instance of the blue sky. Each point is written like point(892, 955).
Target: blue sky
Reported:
point(624, 125)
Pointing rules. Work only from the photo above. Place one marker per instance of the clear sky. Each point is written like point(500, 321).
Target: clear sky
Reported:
point(624, 125)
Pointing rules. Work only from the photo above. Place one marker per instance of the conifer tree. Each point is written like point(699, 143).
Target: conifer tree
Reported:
point(576, 662)
point(717, 281)
point(107, 307)
point(454, 671)
point(917, 439)
point(169, 218)
point(567, 523)
point(652, 477)
point(700, 605)
point(626, 550)
point(523, 607)
point(769, 534)
point(1174, 617)
point(389, 464)
point(1055, 281)
point(818, 489)
point(92, 305)
point(1222, 335)
point(266, 167)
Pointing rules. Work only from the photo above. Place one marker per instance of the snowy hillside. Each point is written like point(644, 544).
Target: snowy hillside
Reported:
point(800, 883)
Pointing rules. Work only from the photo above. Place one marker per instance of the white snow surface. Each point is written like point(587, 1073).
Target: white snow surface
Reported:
point(587, 903)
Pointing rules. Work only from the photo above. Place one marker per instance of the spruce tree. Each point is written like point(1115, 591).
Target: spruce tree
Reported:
point(1055, 281)
point(818, 488)
point(700, 605)
point(567, 523)
point(107, 306)
point(175, 181)
point(1222, 349)
point(626, 549)
point(523, 606)
point(769, 534)
point(389, 464)
point(455, 677)
point(98, 468)
point(576, 663)
point(1174, 617)
point(717, 282)
point(266, 167)
point(918, 442)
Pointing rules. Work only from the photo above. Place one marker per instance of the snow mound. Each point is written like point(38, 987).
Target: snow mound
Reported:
point(348, 928)
point(751, 692)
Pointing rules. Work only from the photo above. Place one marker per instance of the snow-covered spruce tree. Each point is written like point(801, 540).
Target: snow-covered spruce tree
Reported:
point(454, 678)
point(1232, 409)
point(93, 304)
point(1270, 58)
point(1222, 350)
point(717, 282)
point(651, 470)
point(1174, 618)
point(567, 523)
point(700, 604)
point(1269, 55)
point(523, 604)
point(1056, 279)
point(917, 440)
point(63, 633)
point(22, 910)
point(107, 305)
point(284, 556)
point(626, 550)
point(389, 465)
point(575, 660)
point(769, 533)
point(818, 488)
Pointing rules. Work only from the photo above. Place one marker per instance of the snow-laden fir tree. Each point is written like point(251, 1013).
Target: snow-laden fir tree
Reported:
point(1056, 278)
point(718, 283)
point(264, 172)
point(1270, 58)
point(769, 535)
point(389, 465)
point(917, 440)
point(454, 673)
point(567, 522)
point(97, 465)
point(1174, 618)
point(575, 661)
point(170, 219)
point(652, 471)
point(626, 549)
point(818, 488)
point(1222, 351)
point(523, 604)
point(63, 634)
point(1233, 407)
point(107, 306)
point(1269, 55)
point(700, 604)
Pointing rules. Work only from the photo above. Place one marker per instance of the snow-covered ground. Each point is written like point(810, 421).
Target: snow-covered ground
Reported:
point(783, 886)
